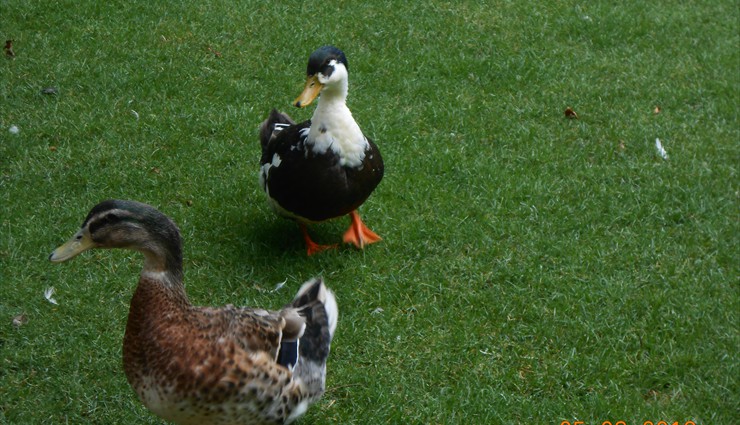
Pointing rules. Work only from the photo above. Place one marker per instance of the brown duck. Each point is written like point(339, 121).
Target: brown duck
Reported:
point(207, 365)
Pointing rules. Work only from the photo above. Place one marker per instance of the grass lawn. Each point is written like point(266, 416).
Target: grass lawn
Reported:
point(534, 268)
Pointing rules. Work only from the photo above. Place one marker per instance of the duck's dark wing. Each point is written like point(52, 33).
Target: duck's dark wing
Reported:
point(274, 123)
point(315, 186)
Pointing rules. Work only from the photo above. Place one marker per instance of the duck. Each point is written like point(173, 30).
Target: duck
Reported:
point(208, 365)
point(325, 167)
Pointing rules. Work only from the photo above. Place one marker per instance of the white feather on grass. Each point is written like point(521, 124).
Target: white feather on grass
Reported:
point(280, 285)
point(48, 293)
point(661, 151)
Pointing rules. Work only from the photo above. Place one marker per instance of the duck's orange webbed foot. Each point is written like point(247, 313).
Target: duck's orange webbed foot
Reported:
point(311, 246)
point(358, 234)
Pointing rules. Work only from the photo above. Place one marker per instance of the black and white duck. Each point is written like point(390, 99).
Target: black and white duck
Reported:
point(325, 167)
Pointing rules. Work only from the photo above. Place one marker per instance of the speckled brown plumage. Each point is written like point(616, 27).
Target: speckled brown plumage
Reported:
point(203, 365)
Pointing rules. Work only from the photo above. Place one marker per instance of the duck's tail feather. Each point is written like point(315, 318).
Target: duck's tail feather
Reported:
point(295, 325)
point(275, 122)
point(318, 306)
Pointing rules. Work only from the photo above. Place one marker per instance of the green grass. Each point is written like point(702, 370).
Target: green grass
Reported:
point(534, 269)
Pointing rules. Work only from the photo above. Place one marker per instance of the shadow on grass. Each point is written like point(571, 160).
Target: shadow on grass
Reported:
point(269, 245)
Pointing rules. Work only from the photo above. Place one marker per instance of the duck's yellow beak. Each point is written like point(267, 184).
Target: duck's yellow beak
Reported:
point(312, 89)
point(80, 242)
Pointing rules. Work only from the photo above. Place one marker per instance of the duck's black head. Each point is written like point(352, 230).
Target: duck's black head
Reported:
point(327, 68)
point(320, 61)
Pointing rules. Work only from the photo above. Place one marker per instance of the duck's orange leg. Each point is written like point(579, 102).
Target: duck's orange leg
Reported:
point(358, 234)
point(311, 246)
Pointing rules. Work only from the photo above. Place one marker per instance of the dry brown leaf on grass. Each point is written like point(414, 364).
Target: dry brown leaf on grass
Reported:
point(9, 49)
point(20, 320)
point(523, 372)
point(216, 53)
point(657, 110)
point(570, 113)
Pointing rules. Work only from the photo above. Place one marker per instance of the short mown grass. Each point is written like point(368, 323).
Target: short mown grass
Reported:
point(534, 268)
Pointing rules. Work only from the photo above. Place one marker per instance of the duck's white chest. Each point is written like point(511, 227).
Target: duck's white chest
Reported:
point(333, 128)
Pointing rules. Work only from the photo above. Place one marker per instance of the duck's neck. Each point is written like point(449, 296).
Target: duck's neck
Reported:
point(335, 93)
point(158, 306)
point(333, 127)
point(163, 265)
point(332, 109)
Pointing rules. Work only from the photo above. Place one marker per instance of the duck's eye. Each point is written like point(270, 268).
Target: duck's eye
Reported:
point(327, 70)
point(78, 237)
point(110, 218)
